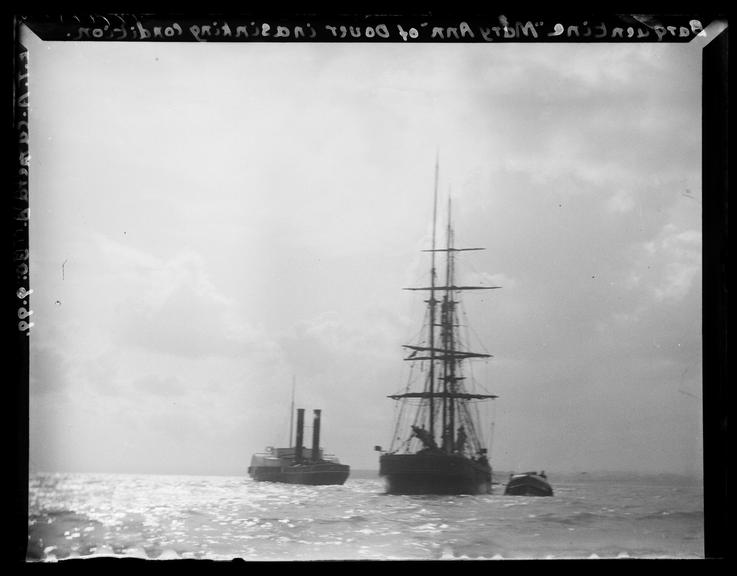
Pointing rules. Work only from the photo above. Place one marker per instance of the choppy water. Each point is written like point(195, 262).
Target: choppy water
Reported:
point(217, 517)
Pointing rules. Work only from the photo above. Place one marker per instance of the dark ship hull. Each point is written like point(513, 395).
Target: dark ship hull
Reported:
point(434, 473)
point(313, 473)
point(528, 484)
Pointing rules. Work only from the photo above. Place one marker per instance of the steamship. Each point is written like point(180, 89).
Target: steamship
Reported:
point(298, 464)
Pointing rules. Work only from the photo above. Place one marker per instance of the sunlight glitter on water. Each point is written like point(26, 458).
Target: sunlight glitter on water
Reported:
point(227, 517)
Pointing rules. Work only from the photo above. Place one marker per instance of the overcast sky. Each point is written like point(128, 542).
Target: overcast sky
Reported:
point(210, 221)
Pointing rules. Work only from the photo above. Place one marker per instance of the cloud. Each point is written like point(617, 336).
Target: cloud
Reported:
point(620, 202)
point(329, 343)
point(486, 279)
point(668, 266)
point(159, 385)
point(682, 252)
point(172, 306)
point(48, 372)
point(601, 118)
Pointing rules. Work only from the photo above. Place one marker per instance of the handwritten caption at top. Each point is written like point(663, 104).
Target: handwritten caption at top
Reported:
point(424, 31)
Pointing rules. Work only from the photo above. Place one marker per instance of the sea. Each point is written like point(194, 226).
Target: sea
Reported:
point(168, 517)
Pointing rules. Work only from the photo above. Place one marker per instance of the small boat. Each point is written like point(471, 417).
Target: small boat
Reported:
point(297, 464)
point(437, 447)
point(528, 484)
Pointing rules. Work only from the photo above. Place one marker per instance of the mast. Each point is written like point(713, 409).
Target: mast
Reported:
point(448, 327)
point(431, 375)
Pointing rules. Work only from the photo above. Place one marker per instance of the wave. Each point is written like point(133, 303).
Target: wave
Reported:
point(694, 515)
point(582, 518)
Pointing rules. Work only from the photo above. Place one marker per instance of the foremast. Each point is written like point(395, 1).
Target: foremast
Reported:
point(444, 396)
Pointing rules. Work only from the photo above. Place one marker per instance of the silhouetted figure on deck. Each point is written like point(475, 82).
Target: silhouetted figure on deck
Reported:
point(424, 436)
point(460, 439)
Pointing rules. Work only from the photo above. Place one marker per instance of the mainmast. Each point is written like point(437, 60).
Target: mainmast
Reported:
point(447, 328)
point(432, 302)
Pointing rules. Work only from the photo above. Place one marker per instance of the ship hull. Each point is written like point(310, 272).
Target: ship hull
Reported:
point(528, 485)
point(313, 474)
point(434, 473)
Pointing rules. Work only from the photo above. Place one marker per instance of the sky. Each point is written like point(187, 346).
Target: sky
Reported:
point(211, 222)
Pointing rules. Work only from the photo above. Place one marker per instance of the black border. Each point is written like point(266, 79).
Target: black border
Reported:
point(715, 230)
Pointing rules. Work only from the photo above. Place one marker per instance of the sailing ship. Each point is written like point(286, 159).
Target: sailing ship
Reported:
point(438, 446)
point(298, 464)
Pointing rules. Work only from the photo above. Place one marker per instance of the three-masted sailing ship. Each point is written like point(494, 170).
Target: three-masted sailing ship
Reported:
point(438, 445)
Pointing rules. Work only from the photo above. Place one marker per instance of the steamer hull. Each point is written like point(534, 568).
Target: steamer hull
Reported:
point(285, 470)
